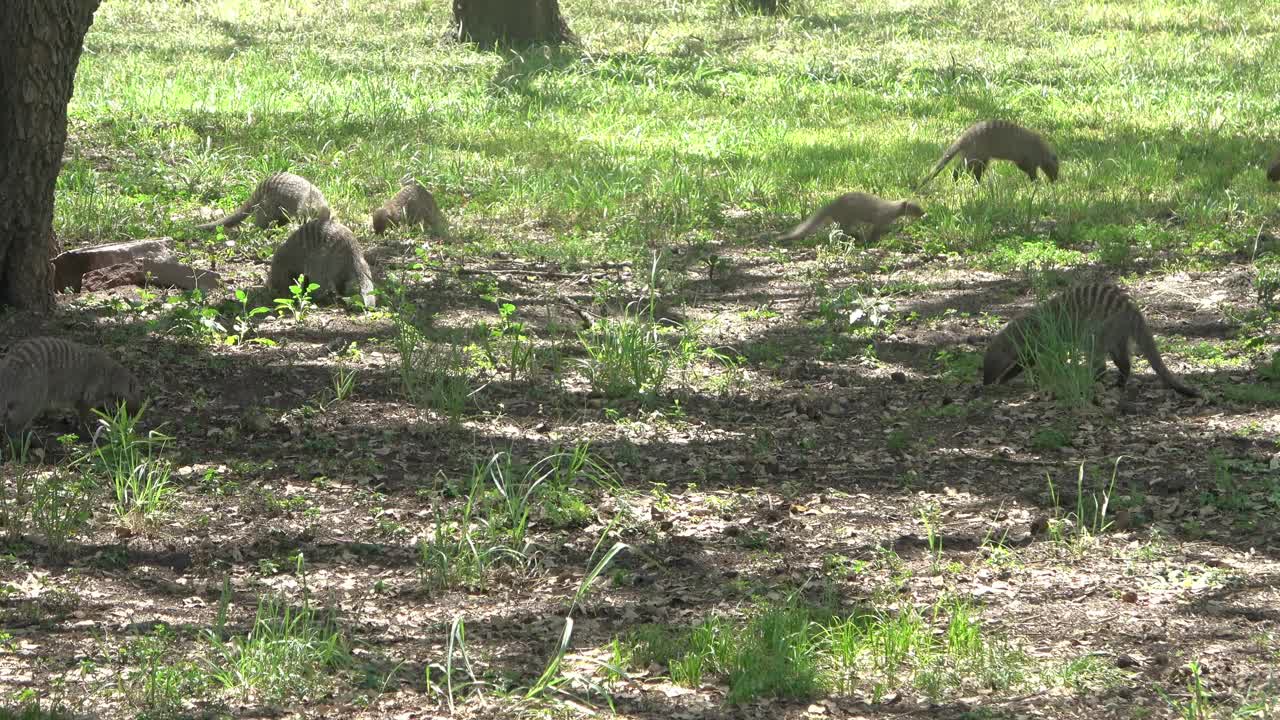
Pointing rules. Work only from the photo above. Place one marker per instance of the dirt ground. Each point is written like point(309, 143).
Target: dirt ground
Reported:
point(818, 445)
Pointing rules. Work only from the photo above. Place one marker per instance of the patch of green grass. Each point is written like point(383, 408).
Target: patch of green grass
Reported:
point(158, 680)
point(626, 356)
point(503, 496)
point(134, 465)
point(1253, 393)
point(432, 375)
point(1089, 517)
point(664, 131)
point(1059, 353)
point(290, 653)
point(1050, 438)
point(1019, 255)
point(794, 651)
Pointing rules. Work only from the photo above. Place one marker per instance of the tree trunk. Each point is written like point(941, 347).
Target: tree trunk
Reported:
point(39, 55)
point(765, 7)
point(489, 23)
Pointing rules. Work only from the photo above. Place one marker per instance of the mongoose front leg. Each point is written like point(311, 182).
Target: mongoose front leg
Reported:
point(976, 166)
point(1122, 361)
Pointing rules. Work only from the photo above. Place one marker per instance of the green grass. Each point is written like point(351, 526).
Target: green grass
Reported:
point(1060, 352)
point(679, 111)
point(794, 651)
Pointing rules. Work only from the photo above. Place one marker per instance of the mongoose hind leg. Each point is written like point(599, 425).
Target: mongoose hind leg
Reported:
point(1014, 371)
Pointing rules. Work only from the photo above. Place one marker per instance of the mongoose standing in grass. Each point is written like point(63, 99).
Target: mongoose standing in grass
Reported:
point(1273, 172)
point(44, 373)
point(1000, 140)
point(1105, 318)
point(413, 205)
point(853, 209)
point(327, 253)
point(277, 200)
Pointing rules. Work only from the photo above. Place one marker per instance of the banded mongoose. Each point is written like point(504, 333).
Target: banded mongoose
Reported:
point(280, 198)
point(1000, 140)
point(44, 373)
point(853, 209)
point(1273, 172)
point(413, 205)
point(327, 253)
point(1105, 318)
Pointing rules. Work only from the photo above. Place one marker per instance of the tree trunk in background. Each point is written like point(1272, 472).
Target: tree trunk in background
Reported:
point(510, 22)
point(41, 47)
point(765, 7)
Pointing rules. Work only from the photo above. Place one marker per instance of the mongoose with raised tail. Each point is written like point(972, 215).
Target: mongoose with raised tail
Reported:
point(413, 205)
point(45, 373)
point(1103, 319)
point(853, 209)
point(327, 253)
point(1273, 172)
point(277, 200)
point(999, 140)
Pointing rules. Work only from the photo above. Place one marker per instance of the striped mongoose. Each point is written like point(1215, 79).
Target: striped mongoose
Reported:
point(999, 140)
point(412, 205)
point(327, 253)
point(46, 373)
point(853, 209)
point(280, 198)
point(1105, 318)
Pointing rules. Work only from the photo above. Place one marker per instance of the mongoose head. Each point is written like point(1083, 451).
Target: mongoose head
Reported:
point(381, 218)
point(1000, 363)
point(910, 209)
point(1050, 167)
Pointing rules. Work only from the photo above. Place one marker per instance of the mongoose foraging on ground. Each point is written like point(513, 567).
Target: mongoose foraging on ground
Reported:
point(1000, 140)
point(1106, 319)
point(327, 253)
point(1273, 172)
point(44, 373)
point(853, 209)
point(413, 205)
point(277, 200)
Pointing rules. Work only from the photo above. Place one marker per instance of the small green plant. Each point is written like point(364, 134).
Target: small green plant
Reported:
point(626, 356)
point(1060, 354)
point(156, 683)
point(1049, 438)
point(789, 650)
point(1266, 284)
point(1198, 704)
point(189, 316)
point(865, 313)
point(431, 376)
point(61, 505)
point(299, 301)
point(133, 464)
point(243, 326)
point(15, 485)
point(343, 382)
point(290, 653)
point(508, 343)
point(1270, 370)
point(1089, 518)
point(930, 518)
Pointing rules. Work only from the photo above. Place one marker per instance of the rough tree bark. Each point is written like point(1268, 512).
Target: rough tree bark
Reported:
point(510, 22)
point(39, 52)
